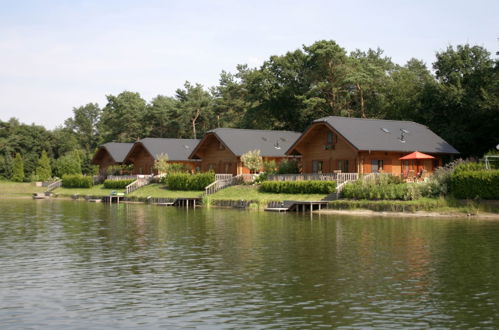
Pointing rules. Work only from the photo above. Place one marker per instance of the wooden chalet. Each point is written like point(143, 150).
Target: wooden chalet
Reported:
point(221, 149)
point(144, 152)
point(110, 154)
point(367, 145)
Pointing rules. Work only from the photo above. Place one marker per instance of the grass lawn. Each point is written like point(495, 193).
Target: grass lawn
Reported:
point(422, 204)
point(160, 191)
point(16, 189)
point(244, 192)
point(97, 190)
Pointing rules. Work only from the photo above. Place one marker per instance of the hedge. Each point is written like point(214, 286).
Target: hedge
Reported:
point(117, 184)
point(298, 187)
point(389, 191)
point(472, 184)
point(77, 181)
point(186, 181)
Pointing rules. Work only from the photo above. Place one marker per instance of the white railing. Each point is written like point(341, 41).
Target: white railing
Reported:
point(141, 181)
point(54, 185)
point(345, 177)
point(220, 184)
point(223, 176)
point(338, 177)
point(122, 177)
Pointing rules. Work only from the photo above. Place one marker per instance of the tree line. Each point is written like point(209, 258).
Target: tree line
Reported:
point(458, 98)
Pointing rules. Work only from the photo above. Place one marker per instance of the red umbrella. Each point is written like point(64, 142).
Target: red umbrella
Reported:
point(416, 155)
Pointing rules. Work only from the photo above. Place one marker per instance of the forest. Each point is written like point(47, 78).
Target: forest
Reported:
point(457, 98)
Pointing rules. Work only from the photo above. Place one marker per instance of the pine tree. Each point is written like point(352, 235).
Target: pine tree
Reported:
point(18, 168)
point(43, 169)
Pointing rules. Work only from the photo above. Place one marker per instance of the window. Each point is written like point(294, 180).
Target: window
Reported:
point(343, 165)
point(376, 165)
point(330, 138)
point(317, 166)
point(220, 146)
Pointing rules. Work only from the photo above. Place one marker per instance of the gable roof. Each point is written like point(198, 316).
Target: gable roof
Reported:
point(386, 135)
point(117, 151)
point(239, 141)
point(176, 149)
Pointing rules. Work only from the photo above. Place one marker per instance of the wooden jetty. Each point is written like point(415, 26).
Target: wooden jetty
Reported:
point(113, 199)
point(41, 196)
point(296, 206)
point(187, 202)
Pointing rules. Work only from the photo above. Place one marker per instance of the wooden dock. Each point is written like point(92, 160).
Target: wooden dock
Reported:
point(296, 206)
point(113, 199)
point(187, 202)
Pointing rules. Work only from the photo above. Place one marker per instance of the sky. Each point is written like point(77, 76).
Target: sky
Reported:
point(57, 55)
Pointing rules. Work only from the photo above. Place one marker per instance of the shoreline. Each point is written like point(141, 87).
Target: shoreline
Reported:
point(417, 214)
point(352, 212)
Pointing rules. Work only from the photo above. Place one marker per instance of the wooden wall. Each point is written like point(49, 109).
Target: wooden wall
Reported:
point(103, 159)
point(215, 156)
point(312, 148)
point(143, 162)
point(393, 164)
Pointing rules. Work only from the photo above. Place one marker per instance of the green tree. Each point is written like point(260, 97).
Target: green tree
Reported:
point(162, 118)
point(85, 125)
point(44, 170)
point(195, 106)
point(70, 163)
point(6, 164)
point(122, 117)
point(161, 164)
point(18, 168)
point(464, 106)
point(252, 160)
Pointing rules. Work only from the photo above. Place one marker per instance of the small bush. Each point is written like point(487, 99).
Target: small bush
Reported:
point(186, 181)
point(289, 166)
point(385, 191)
point(471, 184)
point(298, 187)
point(467, 166)
point(117, 184)
point(77, 181)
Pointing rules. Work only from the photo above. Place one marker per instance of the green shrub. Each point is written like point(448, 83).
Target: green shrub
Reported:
point(298, 187)
point(468, 166)
point(471, 184)
point(77, 181)
point(385, 191)
point(289, 166)
point(117, 184)
point(186, 181)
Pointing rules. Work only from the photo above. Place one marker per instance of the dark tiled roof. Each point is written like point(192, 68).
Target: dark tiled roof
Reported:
point(117, 150)
point(176, 149)
point(270, 143)
point(388, 135)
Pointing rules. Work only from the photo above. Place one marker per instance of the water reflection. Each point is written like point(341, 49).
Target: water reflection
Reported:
point(63, 262)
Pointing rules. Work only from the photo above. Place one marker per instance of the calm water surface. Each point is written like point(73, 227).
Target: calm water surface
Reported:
point(66, 264)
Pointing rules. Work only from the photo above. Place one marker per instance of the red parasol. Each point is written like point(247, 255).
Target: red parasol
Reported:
point(416, 155)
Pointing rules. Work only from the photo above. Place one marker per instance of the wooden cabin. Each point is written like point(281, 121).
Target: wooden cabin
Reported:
point(367, 145)
point(221, 149)
point(110, 154)
point(144, 152)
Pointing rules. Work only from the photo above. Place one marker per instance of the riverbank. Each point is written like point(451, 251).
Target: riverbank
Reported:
point(417, 214)
point(248, 197)
point(19, 189)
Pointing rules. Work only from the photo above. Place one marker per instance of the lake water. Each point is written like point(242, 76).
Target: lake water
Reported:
point(66, 264)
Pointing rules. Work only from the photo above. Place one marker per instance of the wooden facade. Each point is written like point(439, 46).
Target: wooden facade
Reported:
point(215, 155)
point(324, 150)
point(103, 159)
point(143, 161)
